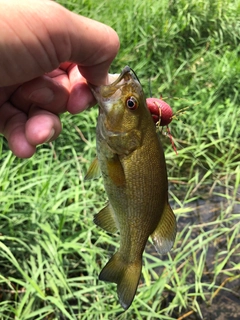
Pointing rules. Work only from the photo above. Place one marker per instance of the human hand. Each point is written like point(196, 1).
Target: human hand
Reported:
point(47, 56)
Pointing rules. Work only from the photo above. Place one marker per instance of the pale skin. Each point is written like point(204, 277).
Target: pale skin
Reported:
point(47, 56)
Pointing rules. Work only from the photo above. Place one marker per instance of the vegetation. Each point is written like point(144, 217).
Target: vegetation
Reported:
point(50, 251)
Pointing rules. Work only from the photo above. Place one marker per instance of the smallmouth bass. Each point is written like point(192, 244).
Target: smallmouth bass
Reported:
point(131, 160)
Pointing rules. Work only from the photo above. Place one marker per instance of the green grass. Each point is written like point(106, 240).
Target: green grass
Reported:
point(50, 251)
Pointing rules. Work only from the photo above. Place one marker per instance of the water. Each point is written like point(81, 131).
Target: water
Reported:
point(226, 303)
point(208, 215)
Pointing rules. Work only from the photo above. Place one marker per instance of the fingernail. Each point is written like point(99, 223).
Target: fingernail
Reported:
point(52, 132)
point(43, 96)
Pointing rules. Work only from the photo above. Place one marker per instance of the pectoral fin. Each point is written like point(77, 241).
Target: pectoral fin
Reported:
point(106, 219)
point(93, 171)
point(115, 171)
point(164, 235)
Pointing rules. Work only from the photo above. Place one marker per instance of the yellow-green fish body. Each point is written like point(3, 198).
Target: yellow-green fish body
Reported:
point(132, 164)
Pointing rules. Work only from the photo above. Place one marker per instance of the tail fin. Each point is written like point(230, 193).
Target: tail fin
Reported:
point(125, 275)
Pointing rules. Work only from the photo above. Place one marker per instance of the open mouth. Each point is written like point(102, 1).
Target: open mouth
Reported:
point(105, 92)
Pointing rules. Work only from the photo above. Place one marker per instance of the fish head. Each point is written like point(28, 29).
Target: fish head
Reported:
point(122, 102)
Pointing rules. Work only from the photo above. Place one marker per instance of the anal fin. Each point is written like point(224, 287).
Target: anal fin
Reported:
point(106, 219)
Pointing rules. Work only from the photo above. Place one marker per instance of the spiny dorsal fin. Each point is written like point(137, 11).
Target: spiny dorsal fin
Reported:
point(93, 171)
point(164, 235)
point(106, 219)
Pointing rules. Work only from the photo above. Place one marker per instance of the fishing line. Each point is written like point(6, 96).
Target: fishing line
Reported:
point(167, 132)
point(149, 87)
point(174, 141)
point(135, 75)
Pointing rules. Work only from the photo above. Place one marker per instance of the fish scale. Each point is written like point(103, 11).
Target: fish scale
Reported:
point(131, 159)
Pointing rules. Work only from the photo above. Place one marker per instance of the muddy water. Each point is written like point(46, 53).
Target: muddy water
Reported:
point(226, 303)
point(212, 213)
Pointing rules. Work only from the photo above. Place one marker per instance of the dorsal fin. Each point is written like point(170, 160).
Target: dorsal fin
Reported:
point(164, 235)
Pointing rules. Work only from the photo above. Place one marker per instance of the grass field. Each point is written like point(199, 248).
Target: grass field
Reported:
point(51, 252)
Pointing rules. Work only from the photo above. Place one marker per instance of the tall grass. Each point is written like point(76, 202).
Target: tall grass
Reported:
point(50, 251)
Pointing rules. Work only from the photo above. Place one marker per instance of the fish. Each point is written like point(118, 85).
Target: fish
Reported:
point(131, 160)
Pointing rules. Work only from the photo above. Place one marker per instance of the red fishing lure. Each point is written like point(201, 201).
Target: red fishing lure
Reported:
point(160, 110)
point(162, 115)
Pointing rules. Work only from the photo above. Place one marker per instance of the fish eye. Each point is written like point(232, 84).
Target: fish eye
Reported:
point(132, 103)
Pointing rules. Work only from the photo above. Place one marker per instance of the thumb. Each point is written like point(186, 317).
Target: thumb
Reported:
point(46, 35)
point(93, 47)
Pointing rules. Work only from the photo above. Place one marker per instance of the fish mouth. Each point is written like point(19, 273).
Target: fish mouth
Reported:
point(104, 92)
point(124, 75)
